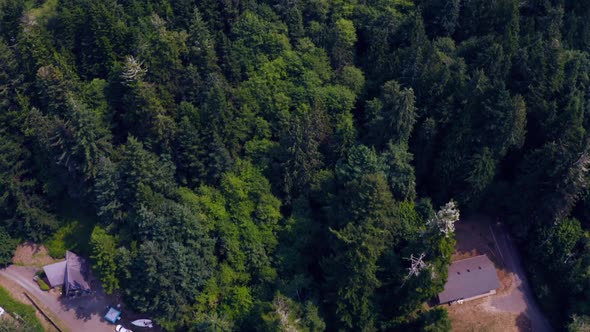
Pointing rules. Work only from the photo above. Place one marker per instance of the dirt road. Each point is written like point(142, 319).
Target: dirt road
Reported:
point(520, 299)
point(81, 314)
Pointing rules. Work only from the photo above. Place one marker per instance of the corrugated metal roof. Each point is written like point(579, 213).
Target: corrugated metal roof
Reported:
point(55, 273)
point(76, 271)
point(469, 277)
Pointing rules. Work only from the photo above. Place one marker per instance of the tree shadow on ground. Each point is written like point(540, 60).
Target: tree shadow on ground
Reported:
point(97, 303)
point(85, 306)
point(523, 323)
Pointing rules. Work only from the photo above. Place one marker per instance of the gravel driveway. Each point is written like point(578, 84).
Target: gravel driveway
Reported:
point(521, 298)
point(81, 314)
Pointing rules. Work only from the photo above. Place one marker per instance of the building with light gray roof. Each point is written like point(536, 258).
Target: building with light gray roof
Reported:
point(72, 274)
point(470, 279)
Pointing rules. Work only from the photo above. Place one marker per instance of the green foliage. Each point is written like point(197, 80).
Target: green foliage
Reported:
point(360, 160)
point(435, 320)
point(579, 324)
point(23, 208)
point(352, 78)
point(343, 40)
point(44, 12)
point(244, 215)
point(361, 237)
point(42, 284)
point(7, 325)
point(189, 151)
point(62, 240)
point(7, 247)
point(160, 273)
point(162, 50)
point(26, 312)
point(441, 17)
point(392, 116)
point(296, 250)
point(216, 153)
point(284, 314)
point(139, 170)
point(10, 13)
point(253, 215)
point(400, 172)
point(302, 142)
point(104, 258)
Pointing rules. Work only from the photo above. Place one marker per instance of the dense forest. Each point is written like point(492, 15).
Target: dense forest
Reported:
point(276, 164)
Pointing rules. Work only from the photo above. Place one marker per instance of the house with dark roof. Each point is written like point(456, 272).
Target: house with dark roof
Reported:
point(470, 279)
point(72, 274)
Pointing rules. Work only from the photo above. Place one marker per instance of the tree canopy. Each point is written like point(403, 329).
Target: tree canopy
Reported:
point(278, 164)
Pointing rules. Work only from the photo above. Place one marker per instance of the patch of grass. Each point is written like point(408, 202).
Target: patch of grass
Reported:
point(26, 313)
point(38, 255)
point(42, 284)
point(39, 278)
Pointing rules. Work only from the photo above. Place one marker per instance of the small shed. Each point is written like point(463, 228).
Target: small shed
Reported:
point(55, 273)
point(71, 273)
point(470, 279)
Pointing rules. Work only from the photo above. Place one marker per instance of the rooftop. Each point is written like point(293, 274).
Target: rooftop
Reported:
point(76, 271)
point(73, 270)
point(55, 273)
point(468, 278)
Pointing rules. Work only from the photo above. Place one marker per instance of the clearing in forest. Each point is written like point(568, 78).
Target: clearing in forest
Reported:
point(513, 308)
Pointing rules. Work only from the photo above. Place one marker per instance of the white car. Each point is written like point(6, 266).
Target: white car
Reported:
point(2, 311)
point(120, 328)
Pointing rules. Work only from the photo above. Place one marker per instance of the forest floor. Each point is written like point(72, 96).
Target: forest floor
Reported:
point(513, 308)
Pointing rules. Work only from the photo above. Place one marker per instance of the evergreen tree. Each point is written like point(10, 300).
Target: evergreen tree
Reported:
point(392, 116)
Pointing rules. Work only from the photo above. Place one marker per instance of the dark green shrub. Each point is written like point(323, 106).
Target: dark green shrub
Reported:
point(42, 284)
point(7, 247)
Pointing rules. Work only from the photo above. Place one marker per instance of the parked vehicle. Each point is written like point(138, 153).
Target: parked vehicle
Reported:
point(143, 323)
point(120, 328)
point(2, 311)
